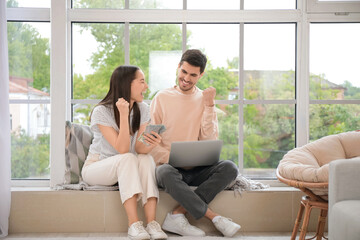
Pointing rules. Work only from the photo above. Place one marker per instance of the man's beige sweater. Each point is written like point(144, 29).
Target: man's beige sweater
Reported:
point(185, 117)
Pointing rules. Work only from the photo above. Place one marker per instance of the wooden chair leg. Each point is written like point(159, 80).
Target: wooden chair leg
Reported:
point(305, 221)
point(297, 222)
point(321, 224)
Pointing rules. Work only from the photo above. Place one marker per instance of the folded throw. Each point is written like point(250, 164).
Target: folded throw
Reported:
point(239, 185)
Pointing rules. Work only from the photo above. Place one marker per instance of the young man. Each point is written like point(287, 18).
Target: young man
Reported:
point(188, 114)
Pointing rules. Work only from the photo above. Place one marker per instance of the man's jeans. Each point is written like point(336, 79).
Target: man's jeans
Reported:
point(210, 180)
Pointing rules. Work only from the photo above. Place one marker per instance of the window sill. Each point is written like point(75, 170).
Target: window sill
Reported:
point(48, 189)
point(15, 183)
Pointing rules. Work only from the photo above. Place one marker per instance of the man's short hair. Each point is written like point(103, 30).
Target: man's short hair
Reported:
point(195, 58)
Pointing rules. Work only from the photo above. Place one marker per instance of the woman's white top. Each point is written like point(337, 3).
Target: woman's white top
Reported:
point(104, 115)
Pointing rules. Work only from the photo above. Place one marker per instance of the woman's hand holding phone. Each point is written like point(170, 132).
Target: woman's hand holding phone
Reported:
point(152, 138)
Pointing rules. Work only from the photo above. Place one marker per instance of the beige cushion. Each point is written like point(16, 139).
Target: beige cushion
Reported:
point(310, 163)
point(351, 143)
point(326, 149)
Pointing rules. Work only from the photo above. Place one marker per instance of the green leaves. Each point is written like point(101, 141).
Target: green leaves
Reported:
point(29, 155)
point(29, 55)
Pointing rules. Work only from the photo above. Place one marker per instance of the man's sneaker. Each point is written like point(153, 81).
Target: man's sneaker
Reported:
point(155, 231)
point(180, 225)
point(226, 226)
point(137, 231)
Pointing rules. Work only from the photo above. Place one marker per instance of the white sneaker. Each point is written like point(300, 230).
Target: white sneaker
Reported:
point(180, 225)
point(226, 226)
point(155, 231)
point(137, 231)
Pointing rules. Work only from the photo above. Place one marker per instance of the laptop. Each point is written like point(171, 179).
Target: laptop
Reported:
point(195, 153)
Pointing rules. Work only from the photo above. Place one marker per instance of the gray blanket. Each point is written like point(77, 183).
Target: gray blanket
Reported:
point(239, 185)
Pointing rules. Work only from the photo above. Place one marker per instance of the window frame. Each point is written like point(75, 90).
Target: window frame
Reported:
point(29, 15)
point(336, 7)
point(61, 69)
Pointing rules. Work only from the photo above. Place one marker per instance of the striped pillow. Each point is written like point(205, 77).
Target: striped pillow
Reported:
point(77, 142)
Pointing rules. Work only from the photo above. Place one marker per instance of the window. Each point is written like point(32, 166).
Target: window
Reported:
point(29, 93)
point(101, 4)
point(336, 6)
point(156, 49)
point(29, 4)
point(213, 4)
point(91, 63)
point(334, 78)
point(269, 68)
point(155, 4)
point(222, 71)
point(274, 4)
point(285, 72)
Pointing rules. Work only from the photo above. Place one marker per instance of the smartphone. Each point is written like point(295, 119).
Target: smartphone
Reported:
point(158, 128)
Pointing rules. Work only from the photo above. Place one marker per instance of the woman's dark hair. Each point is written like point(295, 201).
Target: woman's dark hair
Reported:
point(195, 58)
point(120, 87)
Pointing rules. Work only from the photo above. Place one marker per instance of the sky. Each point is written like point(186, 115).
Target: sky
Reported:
point(334, 48)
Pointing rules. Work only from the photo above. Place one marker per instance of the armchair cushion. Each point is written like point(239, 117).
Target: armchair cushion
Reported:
point(310, 163)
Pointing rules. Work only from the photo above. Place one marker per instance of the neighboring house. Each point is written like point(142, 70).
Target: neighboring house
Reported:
point(34, 118)
point(327, 85)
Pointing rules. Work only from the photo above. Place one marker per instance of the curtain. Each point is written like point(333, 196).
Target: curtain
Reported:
point(5, 170)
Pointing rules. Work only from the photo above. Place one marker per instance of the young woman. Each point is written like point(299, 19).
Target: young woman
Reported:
point(116, 156)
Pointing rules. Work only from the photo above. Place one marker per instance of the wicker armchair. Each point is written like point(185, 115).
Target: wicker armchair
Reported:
point(307, 203)
point(307, 168)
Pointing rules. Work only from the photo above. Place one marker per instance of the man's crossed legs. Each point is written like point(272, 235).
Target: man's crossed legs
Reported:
point(210, 180)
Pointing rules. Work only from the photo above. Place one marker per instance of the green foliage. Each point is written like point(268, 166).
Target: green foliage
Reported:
point(351, 92)
point(144, 38)
point(11, 3)
point(229, 132)
point(233, 63)
point(328, 119)
point(29, 156)
point(110, 55)
point(29, 55)
point(219, 78)
point(269, 130)
point(98, 4)
point(269, 85)
point(320, 88)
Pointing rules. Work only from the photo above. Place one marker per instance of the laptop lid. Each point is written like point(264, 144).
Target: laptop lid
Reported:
point(195, 153)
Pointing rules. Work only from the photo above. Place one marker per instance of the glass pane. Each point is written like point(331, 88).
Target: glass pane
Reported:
point(30, 140)
point(156, 49)
point(29, 60)
point(334, 61)
point(228, 117)
point(213, 4)
point(82, 112)
point(27, 3)
point(114, 4)
point(328, 119)
point(222, 51)
point(156, 4)
point(269, 133)
point(94, 62)
point(269, 61)
point(266, 4)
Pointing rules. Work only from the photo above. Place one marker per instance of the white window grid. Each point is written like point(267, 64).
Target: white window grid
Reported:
point(61, 16)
